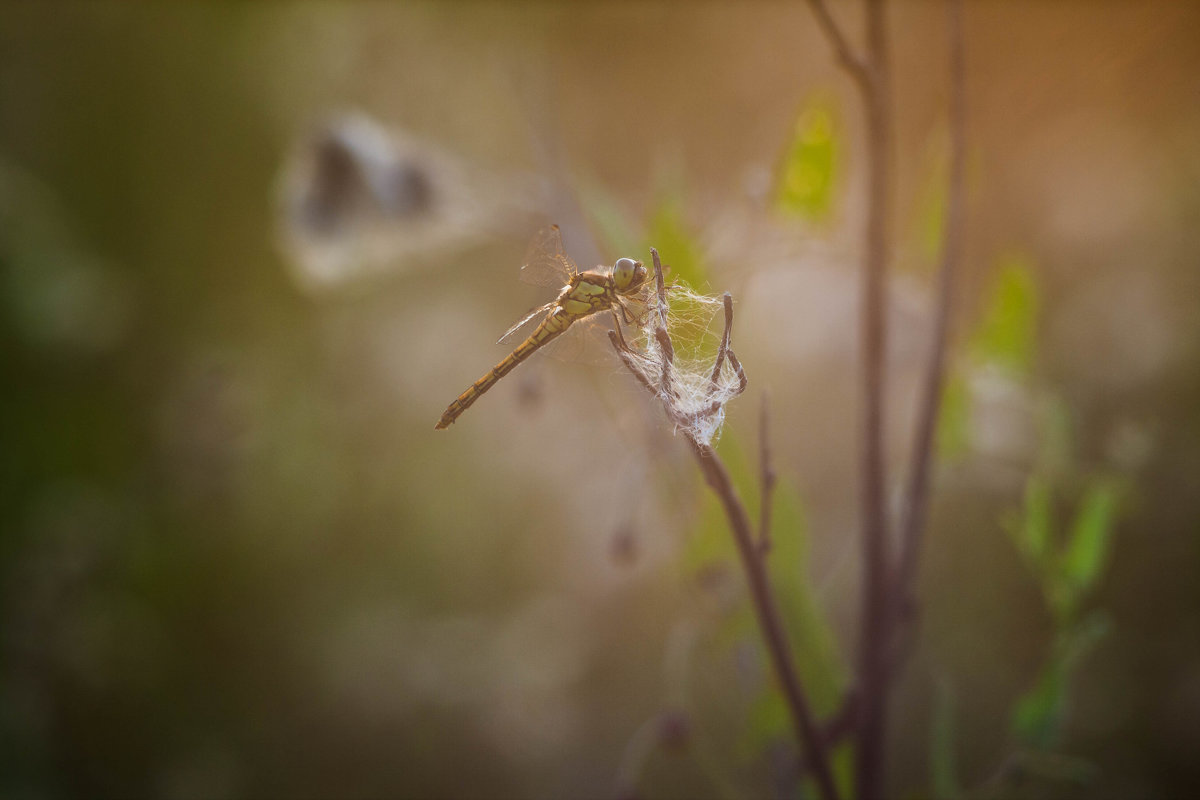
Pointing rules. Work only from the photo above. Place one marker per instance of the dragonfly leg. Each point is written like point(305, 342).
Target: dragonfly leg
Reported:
point(617, 330)
point(625, 315)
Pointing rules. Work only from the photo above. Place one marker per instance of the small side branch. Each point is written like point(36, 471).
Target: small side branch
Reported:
point(852, 62)
point(723, 350)
point(916, 496)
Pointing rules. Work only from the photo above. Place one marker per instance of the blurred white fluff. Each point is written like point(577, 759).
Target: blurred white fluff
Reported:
point(356, 200)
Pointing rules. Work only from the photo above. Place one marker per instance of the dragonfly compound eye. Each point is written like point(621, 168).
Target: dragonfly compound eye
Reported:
point(627, 273)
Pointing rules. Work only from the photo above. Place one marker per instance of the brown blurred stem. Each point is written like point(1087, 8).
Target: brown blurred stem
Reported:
point(766, 476)
point(872, 75)
point(916, 497)
point(716, 475)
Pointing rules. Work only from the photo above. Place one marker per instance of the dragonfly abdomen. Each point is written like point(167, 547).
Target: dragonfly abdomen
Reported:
point(557, 322)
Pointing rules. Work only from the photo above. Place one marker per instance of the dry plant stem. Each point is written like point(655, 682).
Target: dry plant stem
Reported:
point(766, 477)
point(716, 475)
point(872, 76)
point(807, 732)
point(916, 496)
point(873, 648)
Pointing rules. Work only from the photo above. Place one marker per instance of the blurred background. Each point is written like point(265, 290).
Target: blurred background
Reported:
point(248, 253)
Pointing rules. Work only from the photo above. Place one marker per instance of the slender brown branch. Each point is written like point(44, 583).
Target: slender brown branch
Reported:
point(724, 347)
point(660, 289)
point(872, 74)
point(668, 360)
point(853, 63)
point(807, 731)
point(766, 477)
point(916, 497)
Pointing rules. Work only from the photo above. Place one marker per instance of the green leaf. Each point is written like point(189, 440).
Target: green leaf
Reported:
point(1037, 519)
point(768, 721)
point(612, 224)
point(841, 761)
point(932, 219)
point(942, 767)
point(1057, 768)
point(1007, 335)
point(709, 543)
point(1033, 530)
point(1079, 640)
point(1039, 715)
point(816, 655)
point(841, 764)
point(954, 419)
point(1056, 429)
point(1091, 534)
point(818, 659)
point(668, 232)
point(809, 171)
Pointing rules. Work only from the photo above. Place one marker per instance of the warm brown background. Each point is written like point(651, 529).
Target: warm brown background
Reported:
point(238, 561)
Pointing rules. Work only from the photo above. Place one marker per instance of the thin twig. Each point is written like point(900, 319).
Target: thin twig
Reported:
point(766, 477)
point(660, 289)
point(724, 348)
point(853, 63)
point(916, 498)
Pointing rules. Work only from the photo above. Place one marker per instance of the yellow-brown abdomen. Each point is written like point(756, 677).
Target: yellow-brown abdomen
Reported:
point(554, 325)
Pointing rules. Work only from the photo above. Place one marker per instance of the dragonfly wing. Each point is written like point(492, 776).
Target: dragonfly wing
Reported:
point(538, 313)
point(546, 263)
point(586, 342)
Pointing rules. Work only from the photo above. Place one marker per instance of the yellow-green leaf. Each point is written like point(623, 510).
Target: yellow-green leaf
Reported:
point(808, 174)
point(1007, 335)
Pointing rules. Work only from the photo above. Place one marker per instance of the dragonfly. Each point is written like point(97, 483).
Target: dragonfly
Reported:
point(617, 288)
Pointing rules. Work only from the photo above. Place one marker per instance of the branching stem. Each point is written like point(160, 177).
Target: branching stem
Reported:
point(851, 61)
point(716, 475)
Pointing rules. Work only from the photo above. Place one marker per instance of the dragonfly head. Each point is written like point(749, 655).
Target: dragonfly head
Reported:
point(628, 275)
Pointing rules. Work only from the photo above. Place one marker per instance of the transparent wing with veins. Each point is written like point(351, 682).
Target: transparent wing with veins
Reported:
point(546, 263)
point(537, 314)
